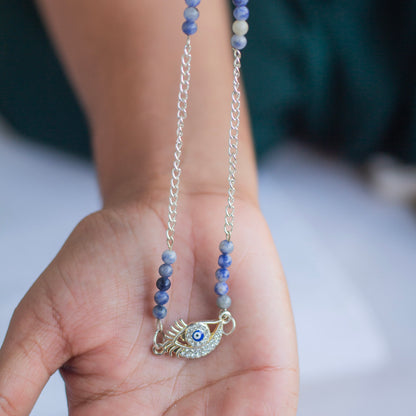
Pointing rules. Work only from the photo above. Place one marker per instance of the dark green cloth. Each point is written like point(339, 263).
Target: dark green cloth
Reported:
point(35, 96)
point(341, 74)
point(338, 74)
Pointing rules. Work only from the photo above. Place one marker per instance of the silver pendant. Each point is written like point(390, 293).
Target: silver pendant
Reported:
point(195, 340)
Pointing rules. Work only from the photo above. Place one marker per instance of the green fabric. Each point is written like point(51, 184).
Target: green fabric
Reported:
point(338, 74)
point(35, 96)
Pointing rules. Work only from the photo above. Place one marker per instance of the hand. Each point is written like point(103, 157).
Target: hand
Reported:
point(90, 315)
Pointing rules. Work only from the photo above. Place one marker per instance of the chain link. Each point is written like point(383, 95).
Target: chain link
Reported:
point(181, 114)
point(233, 145)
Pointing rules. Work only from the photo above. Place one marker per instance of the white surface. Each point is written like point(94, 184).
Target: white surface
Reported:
point(364, 249)
point(43, 194)
point(349, 258)
point(337, 331)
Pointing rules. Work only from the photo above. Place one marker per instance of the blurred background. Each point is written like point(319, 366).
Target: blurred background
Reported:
point(334, 116)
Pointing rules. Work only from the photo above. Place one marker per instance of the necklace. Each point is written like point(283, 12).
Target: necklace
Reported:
point(198, 339)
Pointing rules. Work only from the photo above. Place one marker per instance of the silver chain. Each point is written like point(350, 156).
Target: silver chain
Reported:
point(233, 146)
point(176, 170)
point(181, 114)
point(232, 143)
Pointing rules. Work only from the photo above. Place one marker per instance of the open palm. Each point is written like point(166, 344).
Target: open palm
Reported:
point(89, 314)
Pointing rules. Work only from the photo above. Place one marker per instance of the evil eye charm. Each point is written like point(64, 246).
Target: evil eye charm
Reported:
point(196, 339)
point(197, 334)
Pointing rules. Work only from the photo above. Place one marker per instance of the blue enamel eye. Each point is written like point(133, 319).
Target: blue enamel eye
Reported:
point(198, 335)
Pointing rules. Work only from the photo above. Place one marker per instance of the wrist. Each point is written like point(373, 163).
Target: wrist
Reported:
point(156, 190)
point(140, 167)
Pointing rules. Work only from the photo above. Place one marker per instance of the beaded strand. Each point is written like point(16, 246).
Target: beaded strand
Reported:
point(240, 25)
point(238, 42)
point(222, 274)
point(163, 284)
point(191, 14)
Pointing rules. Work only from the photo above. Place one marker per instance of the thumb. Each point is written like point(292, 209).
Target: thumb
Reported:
point(34, 348)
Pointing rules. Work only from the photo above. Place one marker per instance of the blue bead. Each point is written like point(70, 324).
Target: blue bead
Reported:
point(241, 13)
point(169, 256)
point(224, 260)
point(163, 284)
point(192, 3)
point(161, 298)
point(238, 42)
point(226, 247)
point(189, 28)
point(222, 275)
point(165, 270)
point(240, 2)
point(191, 14)
point(221, 288)
point(159, 312)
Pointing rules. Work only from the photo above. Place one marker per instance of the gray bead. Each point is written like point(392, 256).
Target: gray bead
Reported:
point(169, 256)
point(226, 247)
point(165, 270)
point(191, 14)
point(224, 302)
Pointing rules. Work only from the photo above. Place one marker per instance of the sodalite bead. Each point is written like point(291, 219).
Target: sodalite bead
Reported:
point(169, 256)
point(224, 302)
point(165, 270)
point(240, 27)
point(191, 14)
point(238, 42)
point(189, 28)
point(163, 284)
point(241, 13)
point(224, 260)
point(193, 3)
point(159, 312)
point(221, 288)
point(161, 298)
point(226, 247)
point(222, 274)
point(240, 2)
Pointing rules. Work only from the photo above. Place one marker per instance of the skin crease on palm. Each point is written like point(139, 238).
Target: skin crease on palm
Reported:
point(90, 313)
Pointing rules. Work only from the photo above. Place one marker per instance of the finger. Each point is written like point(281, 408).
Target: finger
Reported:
point(33, 350)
